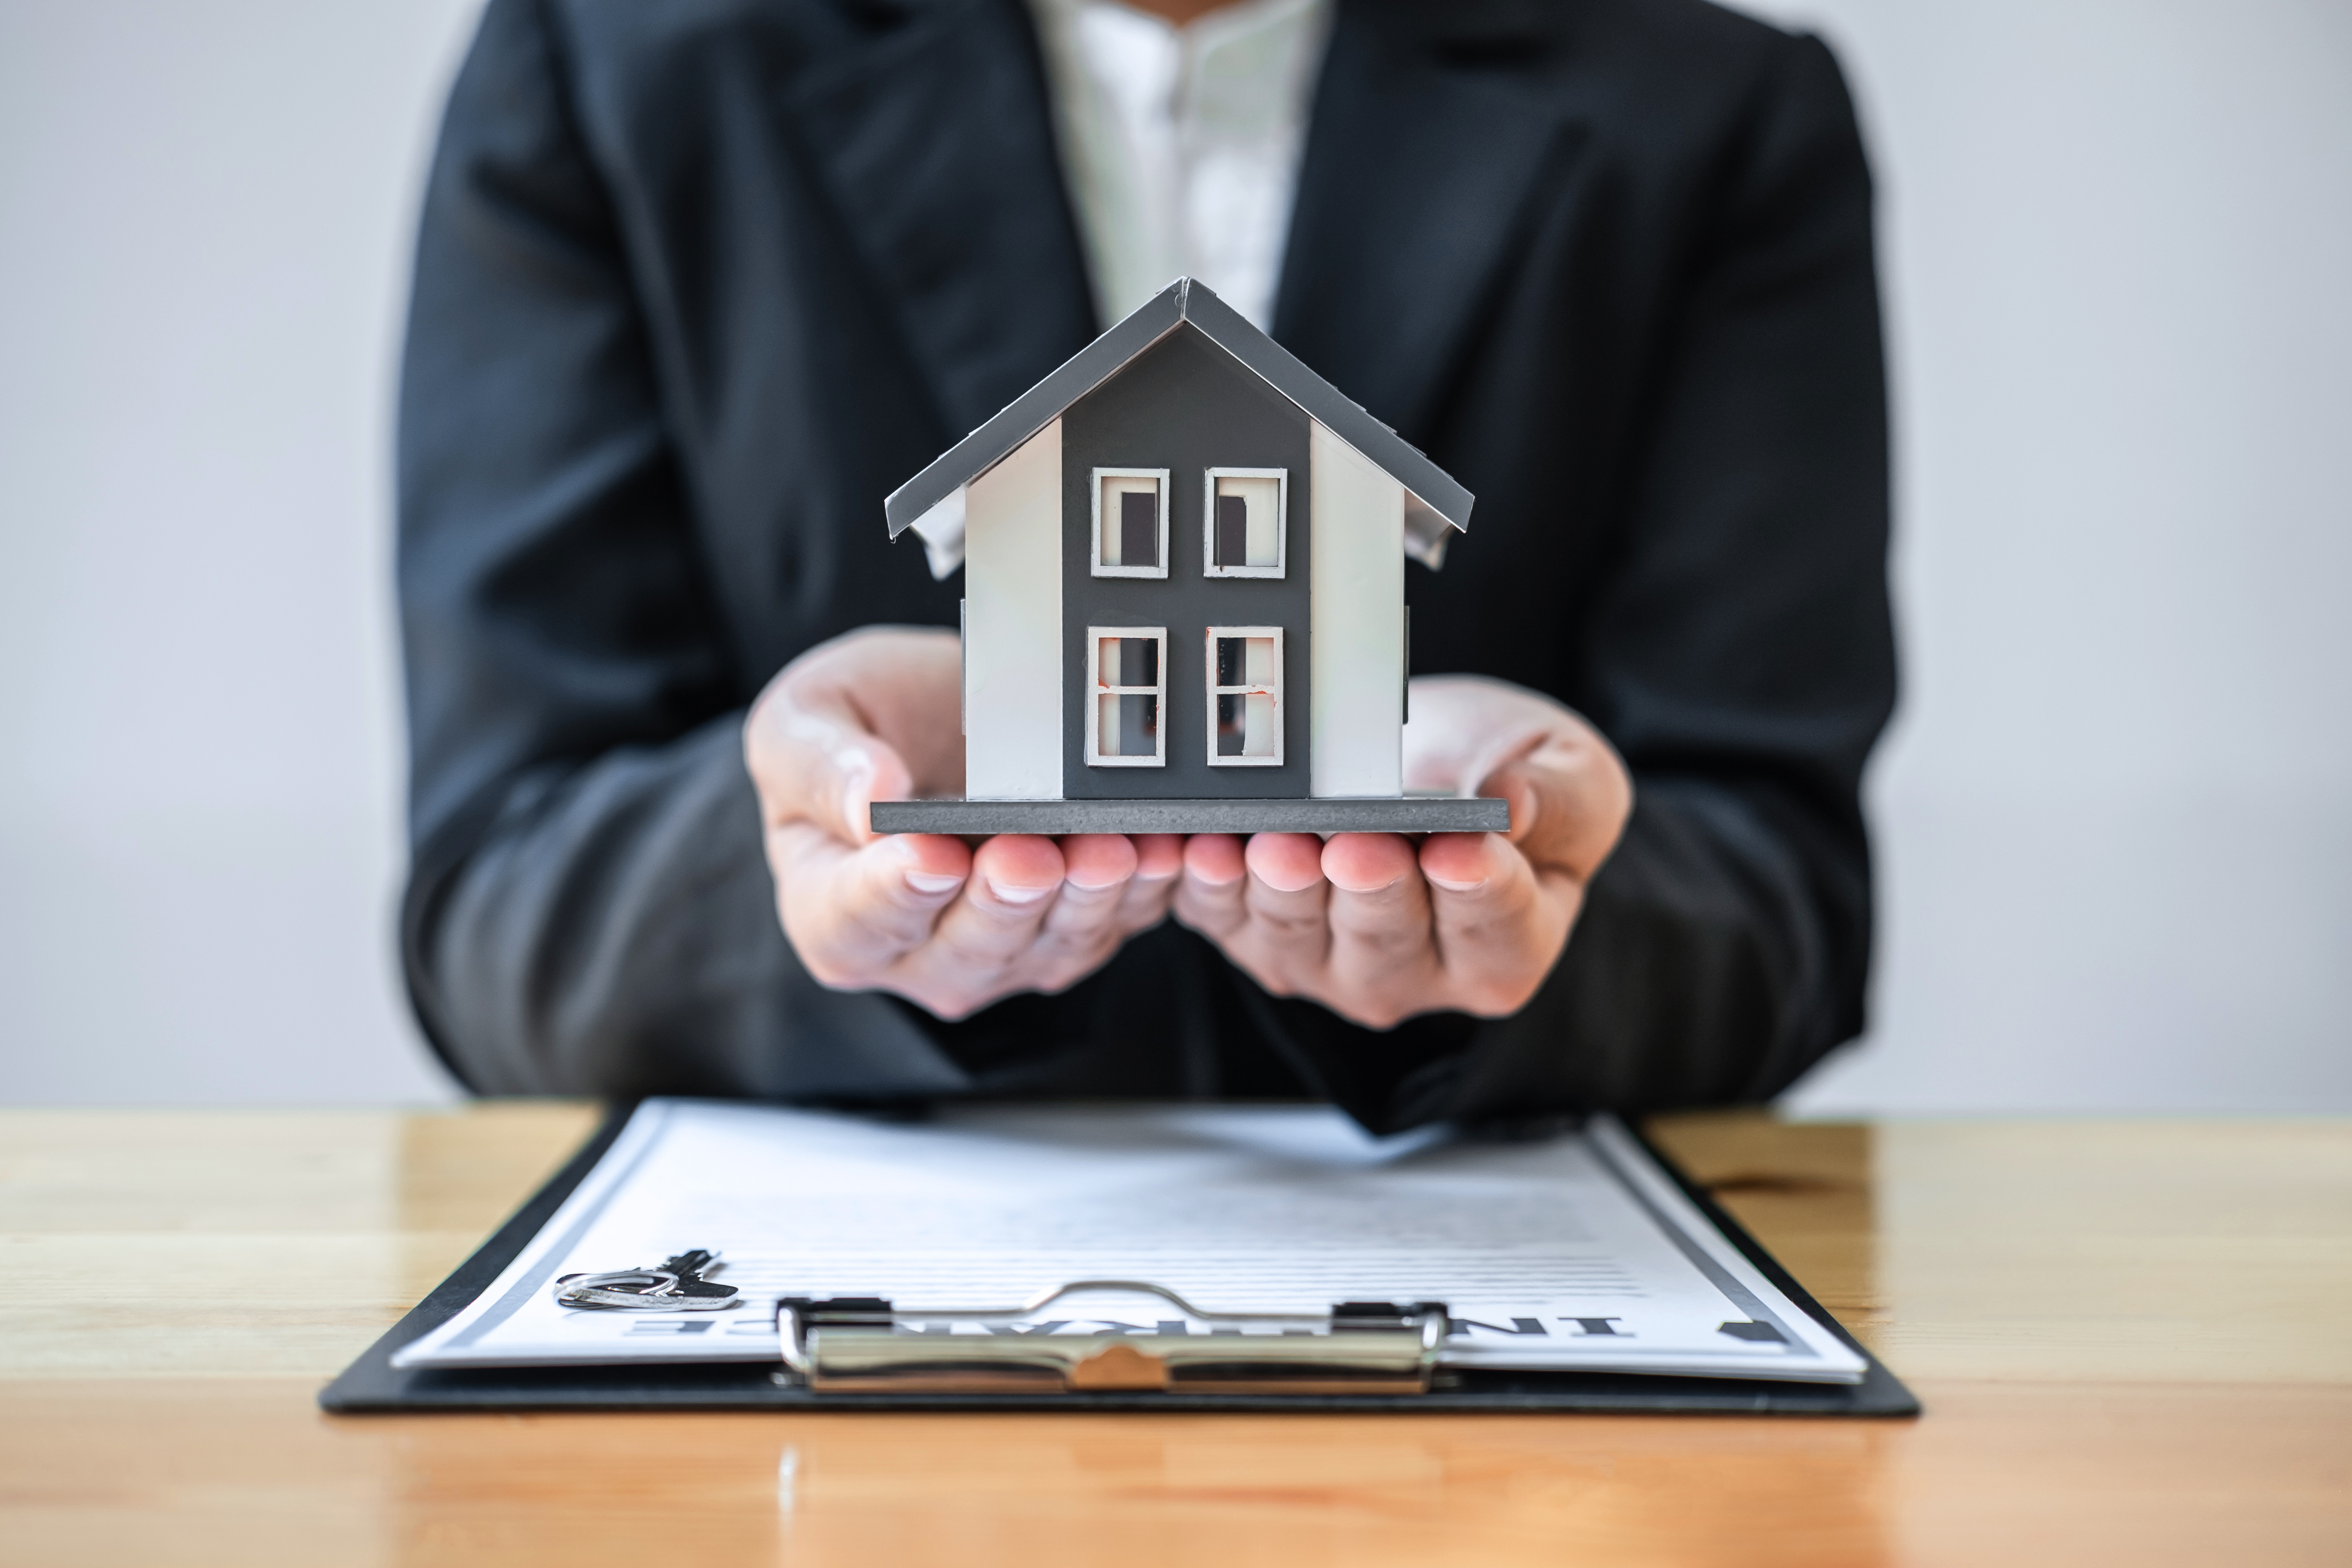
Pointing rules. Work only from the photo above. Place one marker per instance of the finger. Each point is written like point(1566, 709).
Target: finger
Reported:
point(1098, 862)
point(817, 742)
point(907, 684)
point(1285, 897)
point(1013, 881)
point(1383, 956)
point(1084, 921)
point(1158, 862)
point(1364, 865)
point(1463, 727)
point(812, 759)
point(852, 913)
point(1503, 907)
point(1378, 912)
point(1286, 863)
point(1210, 894)
point(1497, 929)
point(1569, 797)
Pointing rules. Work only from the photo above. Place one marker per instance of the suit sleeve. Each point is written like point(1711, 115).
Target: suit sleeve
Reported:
point(1741, 658)
point(588, 909)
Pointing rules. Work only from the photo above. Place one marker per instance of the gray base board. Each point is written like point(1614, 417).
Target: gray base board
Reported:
point(1410, 814)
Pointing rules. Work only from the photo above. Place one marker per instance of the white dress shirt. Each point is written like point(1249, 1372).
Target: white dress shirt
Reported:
point(1182, 144)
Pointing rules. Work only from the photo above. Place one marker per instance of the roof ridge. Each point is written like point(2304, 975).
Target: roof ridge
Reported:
point(1185, 301)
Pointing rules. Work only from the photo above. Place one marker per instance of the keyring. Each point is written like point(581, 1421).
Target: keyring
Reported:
point(640, 1290)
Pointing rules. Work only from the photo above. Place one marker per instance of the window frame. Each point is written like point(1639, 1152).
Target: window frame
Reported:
point(1215, 691)
point(1096, 692)
point(1281, 567)
point(1095, 539)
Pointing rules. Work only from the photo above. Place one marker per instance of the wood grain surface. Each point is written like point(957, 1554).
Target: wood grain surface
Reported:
point(2129, 1335)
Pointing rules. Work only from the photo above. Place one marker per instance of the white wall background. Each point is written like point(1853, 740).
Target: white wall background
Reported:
point(204, 208)
point(2116, 814)
point(2118, 866)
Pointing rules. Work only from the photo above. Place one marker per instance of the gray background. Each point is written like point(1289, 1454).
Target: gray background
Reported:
point(2119, 240)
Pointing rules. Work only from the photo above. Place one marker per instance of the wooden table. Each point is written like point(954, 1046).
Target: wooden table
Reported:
point(2134, 1339)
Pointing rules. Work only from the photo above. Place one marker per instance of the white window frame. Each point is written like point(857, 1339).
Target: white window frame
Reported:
point(1209, 567)
point(1095, 541)
point(1281, 721)
point(1096, 692)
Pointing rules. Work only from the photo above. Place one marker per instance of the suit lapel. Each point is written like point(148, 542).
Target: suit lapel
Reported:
point(936, 139)
point(1422, 157)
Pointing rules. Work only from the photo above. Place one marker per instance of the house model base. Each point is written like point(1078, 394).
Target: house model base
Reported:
point(1409, 814)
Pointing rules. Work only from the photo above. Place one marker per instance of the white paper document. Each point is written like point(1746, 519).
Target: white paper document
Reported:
point(1575, 1253)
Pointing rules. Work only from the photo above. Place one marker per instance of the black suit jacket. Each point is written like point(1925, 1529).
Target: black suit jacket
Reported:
point(700, 282)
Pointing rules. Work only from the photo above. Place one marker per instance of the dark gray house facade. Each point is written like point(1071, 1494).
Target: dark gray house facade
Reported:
point(1186, 409)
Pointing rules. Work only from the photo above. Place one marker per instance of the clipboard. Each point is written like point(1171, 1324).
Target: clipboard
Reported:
point(372, 1385)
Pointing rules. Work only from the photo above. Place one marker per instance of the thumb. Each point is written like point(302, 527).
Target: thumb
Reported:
point(813, 759)
point(1571, 795)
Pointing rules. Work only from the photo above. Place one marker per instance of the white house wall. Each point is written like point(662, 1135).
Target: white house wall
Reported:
point(1013, 624)
point(1356, 707)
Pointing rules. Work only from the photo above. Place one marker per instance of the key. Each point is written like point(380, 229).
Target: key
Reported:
point(677, 1285)
point(690, 1266)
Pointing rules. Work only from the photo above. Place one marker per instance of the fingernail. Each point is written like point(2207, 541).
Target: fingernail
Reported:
point(931, 881)
point(1018, 895)
point(1456, 887)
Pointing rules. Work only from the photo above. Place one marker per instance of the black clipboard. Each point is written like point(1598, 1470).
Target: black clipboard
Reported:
point(372, 1385)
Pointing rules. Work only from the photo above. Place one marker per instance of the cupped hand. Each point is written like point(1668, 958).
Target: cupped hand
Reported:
point(1378, 928)
point(873, 715)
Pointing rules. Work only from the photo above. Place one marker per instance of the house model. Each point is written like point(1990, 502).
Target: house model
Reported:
point(1184, 609)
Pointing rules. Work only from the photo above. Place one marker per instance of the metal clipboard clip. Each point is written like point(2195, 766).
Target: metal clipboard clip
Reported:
point(862, 1344)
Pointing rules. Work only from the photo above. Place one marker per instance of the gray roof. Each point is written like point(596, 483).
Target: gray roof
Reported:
point(1181, 302)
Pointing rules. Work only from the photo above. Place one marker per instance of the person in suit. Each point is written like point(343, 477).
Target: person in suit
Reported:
point(697, 285)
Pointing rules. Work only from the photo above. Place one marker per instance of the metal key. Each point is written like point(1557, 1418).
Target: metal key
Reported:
point(677, 1285)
